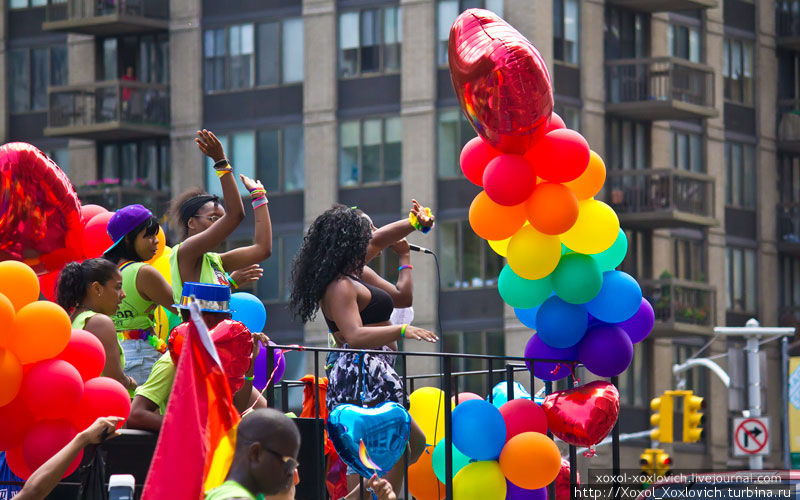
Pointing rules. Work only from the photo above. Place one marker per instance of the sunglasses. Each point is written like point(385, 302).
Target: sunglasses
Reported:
point(289, 463)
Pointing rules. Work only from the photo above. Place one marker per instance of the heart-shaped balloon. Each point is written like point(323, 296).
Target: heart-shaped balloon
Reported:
point(383, 430)
point(584, 415)
point(501, 81)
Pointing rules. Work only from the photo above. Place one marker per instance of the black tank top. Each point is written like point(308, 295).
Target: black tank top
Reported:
point(378, 310)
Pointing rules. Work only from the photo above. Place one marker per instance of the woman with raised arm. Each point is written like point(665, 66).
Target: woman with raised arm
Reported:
point(329, 273)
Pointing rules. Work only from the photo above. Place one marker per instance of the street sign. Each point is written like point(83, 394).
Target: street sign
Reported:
point(750, 436)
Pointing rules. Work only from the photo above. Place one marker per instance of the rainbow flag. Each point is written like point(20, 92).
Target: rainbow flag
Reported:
point(198, 436)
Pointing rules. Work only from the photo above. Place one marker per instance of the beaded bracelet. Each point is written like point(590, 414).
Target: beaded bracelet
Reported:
point(405, 266)
point(259, 202)
point(258, 192)
point(403, 330)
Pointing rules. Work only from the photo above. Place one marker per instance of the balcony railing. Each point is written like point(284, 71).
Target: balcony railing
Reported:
point(106, 17)
point(662, 88)
point(789, 227)
point(681, 306)
point(789, 125)
point(110, 110)
point(787, 20)
point(663, 197)
point(114, 197)
point(665, 5)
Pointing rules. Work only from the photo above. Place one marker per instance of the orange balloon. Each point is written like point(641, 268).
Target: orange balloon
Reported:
point(19, 283)
point(11, 375)
point(422, 482)
point(162, 244)
point(552, 208)
point(41, 331)
point(530, 460)
point(6, 319)
point(591, 180)
point(492, 221)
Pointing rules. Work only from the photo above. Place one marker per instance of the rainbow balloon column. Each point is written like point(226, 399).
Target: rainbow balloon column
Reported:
point(537, 208)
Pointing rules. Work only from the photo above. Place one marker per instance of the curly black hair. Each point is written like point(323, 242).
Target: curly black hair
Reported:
point(334, 245)
point(126, 249)
point(75, 278)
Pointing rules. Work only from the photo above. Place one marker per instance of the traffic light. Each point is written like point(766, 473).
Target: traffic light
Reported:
point(647, 462)
point(663, 463)
point(692, 418)
point(655, 462)
point(661, 418)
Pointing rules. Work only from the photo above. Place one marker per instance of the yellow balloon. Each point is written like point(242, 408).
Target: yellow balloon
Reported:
point(500, 247)
point(533, 255)
point(162, 265)
point(426, 404)
point(162, 245)
point(595, 230)
point(480, 481)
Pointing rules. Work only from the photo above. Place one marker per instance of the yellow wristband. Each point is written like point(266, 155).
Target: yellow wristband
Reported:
point(403, 330)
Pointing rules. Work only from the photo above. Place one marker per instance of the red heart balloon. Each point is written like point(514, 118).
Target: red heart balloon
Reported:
point(501, 81)
point(583, 416)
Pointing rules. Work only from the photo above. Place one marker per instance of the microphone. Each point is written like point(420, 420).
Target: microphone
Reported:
point(416, 248)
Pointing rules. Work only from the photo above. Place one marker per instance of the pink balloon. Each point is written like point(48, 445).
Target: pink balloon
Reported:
point(95, 238)
point(85, 352)
point(561, 156)
point(15, 420)
point(102, 397)
point(89, 211)
point(52, 389)
point(475, 156)
point(465, 396)
point(45, 439)
point(509, 180)
point(555, 122)
point(523, 415)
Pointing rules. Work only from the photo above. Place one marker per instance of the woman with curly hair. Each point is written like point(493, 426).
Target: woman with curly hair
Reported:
point(329, 273)
point(205, 225)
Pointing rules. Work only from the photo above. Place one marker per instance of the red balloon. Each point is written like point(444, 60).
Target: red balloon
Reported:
point(45, 439)
point(523, 415)
point(89, 211)
point(15, 420)
point(95, 238)
point(583, 416)
point(562, 480)
point(102, 397)
point(47, 285)
point(501, 81)
point(556, 122)
point(509, 180)
point(85, 352)
point(561, 156)
point(16, 462)
point(52, 389)
point(475, 156)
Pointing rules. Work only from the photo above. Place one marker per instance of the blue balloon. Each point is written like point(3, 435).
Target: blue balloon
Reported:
point(561, 324)
point(527, 316)
point(500, 393)
point(249, 309)
point(479, 430)
point(384, 430)
point(619, 298)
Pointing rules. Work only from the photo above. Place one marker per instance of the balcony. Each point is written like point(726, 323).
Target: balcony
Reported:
point(662, 198)
point(106, 17)
point(665, 5)
point(787, 26)
point(681, 307)
point(113, 110)
point(661, 88)
point(116, 196)
point(788, 228)
point(789, 125)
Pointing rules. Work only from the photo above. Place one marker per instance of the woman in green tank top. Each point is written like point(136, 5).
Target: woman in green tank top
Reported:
point(133, 230)
point(90, 291)
point(205, 225)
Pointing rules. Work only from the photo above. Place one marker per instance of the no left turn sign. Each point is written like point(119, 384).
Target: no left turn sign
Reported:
point(750, 436)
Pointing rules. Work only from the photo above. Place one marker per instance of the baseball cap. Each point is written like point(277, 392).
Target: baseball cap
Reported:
point(125, 220)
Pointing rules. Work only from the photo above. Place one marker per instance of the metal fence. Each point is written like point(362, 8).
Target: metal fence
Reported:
point(72, 10)
point(661, 190)
point(659, 79)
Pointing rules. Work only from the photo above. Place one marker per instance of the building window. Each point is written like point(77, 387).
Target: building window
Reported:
point(627, 34)
point(446, 13)
point(685, 42)
point(453, 132)
point(240, 148)
point(24, 4)
point(486, 342)
point(60, 156)
point(281, 159)
point(788, 71)
point(370, 151)
point(789, 313)
point(687, 151)
point(386, 264)
point(789, 178)
point(740, 163)
point(467, 260)
point(566, 31)
point(634, 383)
point(31, 71)
point(741, 280)
point(737, 70)
point(143, 164)
point(689, 259)
point(628, 145)
point(275, 285)
point(369, 41)
point(696, 380)
point(570, 114)
point(280, 62)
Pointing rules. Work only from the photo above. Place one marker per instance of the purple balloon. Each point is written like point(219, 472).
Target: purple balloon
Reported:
point(514, 492)
point(542, 370)
point(605, 350)
point(639, 326)
point(260, 370)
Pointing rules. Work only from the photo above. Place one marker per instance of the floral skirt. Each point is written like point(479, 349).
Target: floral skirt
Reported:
point(378, 380)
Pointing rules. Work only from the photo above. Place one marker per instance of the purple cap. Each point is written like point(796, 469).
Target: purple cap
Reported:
point(124, 221)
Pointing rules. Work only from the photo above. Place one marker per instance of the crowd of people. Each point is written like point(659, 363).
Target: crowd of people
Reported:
point(115, 298)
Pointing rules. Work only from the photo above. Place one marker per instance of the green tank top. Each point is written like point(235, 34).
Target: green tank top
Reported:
point(79, 323)
point(134, 313)
point(211, 272)
point(231, 489)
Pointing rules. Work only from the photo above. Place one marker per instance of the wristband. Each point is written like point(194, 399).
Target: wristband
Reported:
point(222, 164)
point(403, 330)
point(258, 192)
point(259, 202)
point(250, 378)
point(222, 171)
point(414, 221)
point(231, 281)
point(405, 266)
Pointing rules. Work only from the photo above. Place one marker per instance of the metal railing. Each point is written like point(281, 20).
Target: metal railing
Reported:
point(113, 101)
point(659, 79)
point(114, 197)
point(677, 301)
point(662, 189)
point(73, 10)
point(448, 382)
point(788, 222)
point(787, 18)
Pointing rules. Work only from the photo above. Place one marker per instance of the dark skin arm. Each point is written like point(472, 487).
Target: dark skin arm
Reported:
point(144, 415)
point(153, 287)
point(261, 248)
point(103, 328)
point(391, 233)
point(243, 398)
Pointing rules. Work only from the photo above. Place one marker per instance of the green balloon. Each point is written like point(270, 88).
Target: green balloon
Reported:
point(613, 257)
point(521, 293)
point(438, 459)
point(577, 279)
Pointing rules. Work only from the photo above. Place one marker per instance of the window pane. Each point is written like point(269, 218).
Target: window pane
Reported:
point(292, 50)
point(447, 12)
point(749, 180)
point(212, 183)
point(471, 248)
point(17, 4)
point(571, 31)
point(694, 45)
point(728, 278)
point(350, 137)
point(40, 76)
point(19, 83)
point(696, 153)
point(448, 245)
point(370, 40)
point(108, 162)
point(269, 159)
point(392, 36)
point(738, 280)
point(58, 65)
point(495, 6)
point(269, 284)
point(447, 144)
point(393, 149)
point(110, 59)
point(165, 166)
point(244, 150)
point(291, 244)
point(750, 284)
point(240, 46)
point(268, 53)
point(293, 158)
point(494, 264)
point(61, 157)
point(128, 163)
point(348, 44)
point(371, 151)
